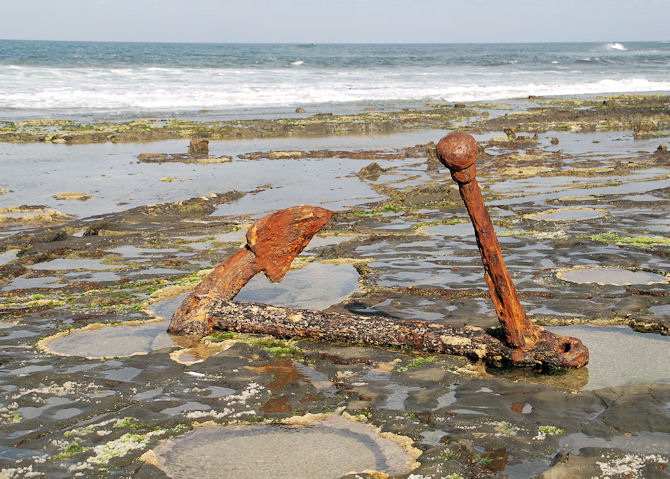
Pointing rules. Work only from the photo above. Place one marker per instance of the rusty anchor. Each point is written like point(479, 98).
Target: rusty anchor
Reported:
point(458, 152)
point(273, 242)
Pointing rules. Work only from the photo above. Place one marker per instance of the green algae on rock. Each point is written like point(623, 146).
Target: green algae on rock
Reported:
point(639, 241)
point(623, 112)
point(323, 124)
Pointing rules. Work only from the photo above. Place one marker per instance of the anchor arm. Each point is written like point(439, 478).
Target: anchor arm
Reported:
point(273, 242)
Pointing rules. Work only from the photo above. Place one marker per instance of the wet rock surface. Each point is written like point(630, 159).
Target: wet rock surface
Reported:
point(404, 238)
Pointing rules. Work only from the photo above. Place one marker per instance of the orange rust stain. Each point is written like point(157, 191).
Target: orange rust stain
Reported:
point(498, 460)
point(276, 405)
point(284, 373)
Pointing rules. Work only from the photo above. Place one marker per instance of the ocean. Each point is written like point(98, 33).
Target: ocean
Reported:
point(127, 80)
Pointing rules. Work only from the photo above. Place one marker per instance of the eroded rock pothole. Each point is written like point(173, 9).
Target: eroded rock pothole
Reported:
point(568, 214)
point(329, 447)
point(610, 276)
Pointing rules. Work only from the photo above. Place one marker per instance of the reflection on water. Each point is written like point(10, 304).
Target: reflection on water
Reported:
point(50, 282)
point(316, 286)
point(618, 355)
point(458, 229)
point(62, 264)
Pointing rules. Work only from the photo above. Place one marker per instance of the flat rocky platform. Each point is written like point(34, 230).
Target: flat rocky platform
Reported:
point(101, 235)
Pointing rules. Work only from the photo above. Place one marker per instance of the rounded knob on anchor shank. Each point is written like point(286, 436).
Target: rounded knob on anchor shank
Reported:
point(458, 151)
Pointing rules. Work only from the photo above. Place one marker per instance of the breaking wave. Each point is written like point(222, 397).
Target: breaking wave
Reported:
point(188, 90)
point(40, 77)
point(616, 46)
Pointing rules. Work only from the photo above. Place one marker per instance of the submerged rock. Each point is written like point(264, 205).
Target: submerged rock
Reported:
point(606, 463)
point(153, 157)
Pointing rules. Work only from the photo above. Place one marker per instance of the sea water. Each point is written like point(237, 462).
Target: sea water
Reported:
point(121, 80)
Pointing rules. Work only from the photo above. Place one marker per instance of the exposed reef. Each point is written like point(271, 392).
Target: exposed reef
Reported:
point(589, 192)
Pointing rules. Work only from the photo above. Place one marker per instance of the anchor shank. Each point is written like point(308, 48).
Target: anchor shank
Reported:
point(519, 331)
point(458, 152)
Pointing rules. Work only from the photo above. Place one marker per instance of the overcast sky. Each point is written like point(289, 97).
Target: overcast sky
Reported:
point(338, 21)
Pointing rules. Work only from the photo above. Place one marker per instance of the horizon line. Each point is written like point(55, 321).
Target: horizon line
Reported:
point(331, 43)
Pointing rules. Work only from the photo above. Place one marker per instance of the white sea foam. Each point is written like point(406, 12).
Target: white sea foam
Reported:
point(162, 88)
point(616, 46)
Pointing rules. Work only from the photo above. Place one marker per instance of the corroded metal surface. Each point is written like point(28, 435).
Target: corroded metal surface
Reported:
point(475, 343)
point(458, 152)
point(273, 242)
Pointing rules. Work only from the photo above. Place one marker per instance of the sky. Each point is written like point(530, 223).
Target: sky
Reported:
point(336, 21)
